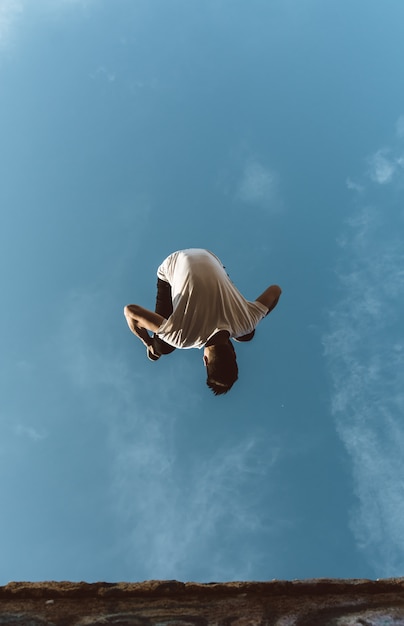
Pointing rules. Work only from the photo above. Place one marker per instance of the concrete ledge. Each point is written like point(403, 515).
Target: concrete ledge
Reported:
point(169, 587)
point(319, 602)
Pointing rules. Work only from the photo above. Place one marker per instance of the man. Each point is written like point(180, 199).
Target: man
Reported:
point(198, 306)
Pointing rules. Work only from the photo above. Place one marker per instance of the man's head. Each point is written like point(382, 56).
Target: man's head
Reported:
point(221, 367)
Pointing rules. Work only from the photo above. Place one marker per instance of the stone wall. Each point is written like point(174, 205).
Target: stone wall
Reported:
point(171, 603)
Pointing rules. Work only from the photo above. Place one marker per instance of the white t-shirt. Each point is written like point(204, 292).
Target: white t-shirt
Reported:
point(204, 300)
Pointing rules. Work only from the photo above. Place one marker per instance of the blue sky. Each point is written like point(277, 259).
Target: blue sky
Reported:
point(272, 133)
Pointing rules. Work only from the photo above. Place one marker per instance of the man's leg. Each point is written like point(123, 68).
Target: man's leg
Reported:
point(164, 307)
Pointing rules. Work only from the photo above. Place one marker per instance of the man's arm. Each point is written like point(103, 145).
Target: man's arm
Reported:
point(270, 297)
point(141, 320)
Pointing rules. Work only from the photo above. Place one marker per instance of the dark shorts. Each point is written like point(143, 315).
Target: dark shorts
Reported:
point(164, 307)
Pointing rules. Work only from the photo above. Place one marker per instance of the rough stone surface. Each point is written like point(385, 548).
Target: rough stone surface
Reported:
point(320, 602)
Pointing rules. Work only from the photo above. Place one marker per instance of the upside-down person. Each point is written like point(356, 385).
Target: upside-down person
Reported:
point(198, 306)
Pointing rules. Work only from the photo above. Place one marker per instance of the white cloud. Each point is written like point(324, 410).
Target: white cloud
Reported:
point(171, 509)
point(103, 73)
point(10, 11)
point(177, 514)
point(385, 164)
point(31, 433)
point(354, 186)
point(258, 185)
point(365, 354)
point(382, 168)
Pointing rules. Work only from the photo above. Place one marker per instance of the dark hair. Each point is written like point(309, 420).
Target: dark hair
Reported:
point(222, 368)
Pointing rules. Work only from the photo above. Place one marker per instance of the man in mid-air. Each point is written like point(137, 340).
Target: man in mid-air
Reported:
point(197, 306)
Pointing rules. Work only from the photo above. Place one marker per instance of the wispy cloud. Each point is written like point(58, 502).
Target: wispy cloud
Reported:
point(382, 167)
point(365, 354)
point(171, 509)
point(385, 164)
point(259, 185)
point(10, 11)
point(30, 432)
point(179, 513)
point(103, 73)
point(354, 185)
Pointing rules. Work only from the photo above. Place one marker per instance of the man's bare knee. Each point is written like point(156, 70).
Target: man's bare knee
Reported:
point(130, 310)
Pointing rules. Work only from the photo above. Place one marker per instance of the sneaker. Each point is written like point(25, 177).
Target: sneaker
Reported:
point(273, 305)
point(151, 355)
